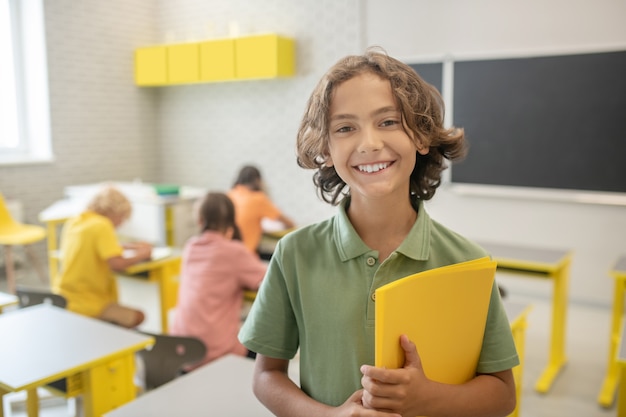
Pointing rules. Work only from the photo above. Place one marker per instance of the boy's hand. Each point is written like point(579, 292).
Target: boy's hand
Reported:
point(396, 390)
point(353, 407)
point(142, 251)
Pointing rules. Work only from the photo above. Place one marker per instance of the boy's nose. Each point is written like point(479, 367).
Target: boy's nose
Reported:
point(370, 141)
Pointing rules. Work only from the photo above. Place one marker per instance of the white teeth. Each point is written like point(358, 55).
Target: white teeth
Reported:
point(373, 167)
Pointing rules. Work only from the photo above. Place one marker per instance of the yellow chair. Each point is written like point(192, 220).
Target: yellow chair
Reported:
point(14, 233)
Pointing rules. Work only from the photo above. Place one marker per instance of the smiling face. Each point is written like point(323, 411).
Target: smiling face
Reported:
point(368, 146)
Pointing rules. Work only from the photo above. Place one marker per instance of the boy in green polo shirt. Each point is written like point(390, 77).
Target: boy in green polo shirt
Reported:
point(373, 130)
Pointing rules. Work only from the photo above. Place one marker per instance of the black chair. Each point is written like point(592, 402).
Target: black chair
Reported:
point(30, 296)
point(167, 358)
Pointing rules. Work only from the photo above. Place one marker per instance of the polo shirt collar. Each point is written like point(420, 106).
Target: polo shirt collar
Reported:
point(349, 245)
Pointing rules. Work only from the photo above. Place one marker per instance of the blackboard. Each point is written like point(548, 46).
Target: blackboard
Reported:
point(556, 122)
point(431, 72)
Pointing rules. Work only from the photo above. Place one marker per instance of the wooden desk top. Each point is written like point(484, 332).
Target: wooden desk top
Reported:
point(221, 388)
point(43, 343)
point(525, 257)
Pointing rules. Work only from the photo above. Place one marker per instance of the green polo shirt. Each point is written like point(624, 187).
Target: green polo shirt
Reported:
point(317, 297)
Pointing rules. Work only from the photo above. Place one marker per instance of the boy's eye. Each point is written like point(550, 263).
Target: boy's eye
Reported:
point(343, 129)
point(389, 122)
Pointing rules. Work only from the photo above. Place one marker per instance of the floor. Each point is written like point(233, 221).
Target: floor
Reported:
point(573, 393)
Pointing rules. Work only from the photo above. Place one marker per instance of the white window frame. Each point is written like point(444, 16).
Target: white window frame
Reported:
point(28, 90)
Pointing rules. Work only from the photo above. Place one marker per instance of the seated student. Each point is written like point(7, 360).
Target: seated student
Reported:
point(91, 252)
point(216, 270)
point(252, 205)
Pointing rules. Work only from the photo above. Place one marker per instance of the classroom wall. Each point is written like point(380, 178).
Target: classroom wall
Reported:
point(491, 28)
point(102, 126)
point(208, 131)
point(105, 128)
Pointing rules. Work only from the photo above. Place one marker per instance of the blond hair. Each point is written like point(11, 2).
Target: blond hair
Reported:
point(110, 202)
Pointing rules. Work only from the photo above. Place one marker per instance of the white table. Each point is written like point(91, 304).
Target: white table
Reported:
point(43, 343)
point(221, 388)
point(7, 300)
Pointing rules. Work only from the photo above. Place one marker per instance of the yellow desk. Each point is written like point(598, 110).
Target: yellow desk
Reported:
point(48, 343)
point(517, 314)
point(545, 263)
point(613, 374)
point(7, 300)
point(164, 272)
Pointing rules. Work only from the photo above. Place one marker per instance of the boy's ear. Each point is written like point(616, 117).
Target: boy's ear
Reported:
point(421, 149)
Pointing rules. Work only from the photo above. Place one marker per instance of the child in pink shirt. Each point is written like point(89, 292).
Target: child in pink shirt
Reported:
point(216, 270)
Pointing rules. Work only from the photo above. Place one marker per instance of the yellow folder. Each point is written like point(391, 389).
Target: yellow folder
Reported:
point(443, 311)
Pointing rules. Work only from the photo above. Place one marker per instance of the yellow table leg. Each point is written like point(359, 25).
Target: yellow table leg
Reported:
point(167, 277)
point(32, 403)
point(518, 329)
point(51, 232)
point(108, 386)
point(612, 378)
point(559, 313)
point(2, 393)
point(621, 392)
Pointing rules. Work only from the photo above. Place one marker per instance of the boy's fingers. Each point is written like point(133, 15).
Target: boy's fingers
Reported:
point(411, 357)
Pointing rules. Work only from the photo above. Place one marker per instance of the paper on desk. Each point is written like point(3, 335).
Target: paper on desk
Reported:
point(443, 311)
point(158, 252)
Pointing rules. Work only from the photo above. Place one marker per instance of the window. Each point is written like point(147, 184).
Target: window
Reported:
point(24, 102)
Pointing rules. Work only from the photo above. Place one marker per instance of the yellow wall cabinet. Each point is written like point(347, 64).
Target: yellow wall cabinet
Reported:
point(151, 66)
point(232, 59)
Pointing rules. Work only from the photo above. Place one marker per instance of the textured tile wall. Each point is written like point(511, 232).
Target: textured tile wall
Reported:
point(209, 130)
point(105, 128)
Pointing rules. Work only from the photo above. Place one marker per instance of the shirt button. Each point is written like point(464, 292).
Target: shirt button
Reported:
point(371, 261)
point(373, 296)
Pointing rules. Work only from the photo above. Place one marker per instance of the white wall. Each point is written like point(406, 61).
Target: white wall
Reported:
point(492, 28)
point(104, 127)
point(208, 131)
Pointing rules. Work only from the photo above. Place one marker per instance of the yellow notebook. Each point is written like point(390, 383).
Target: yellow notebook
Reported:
point(443, 311)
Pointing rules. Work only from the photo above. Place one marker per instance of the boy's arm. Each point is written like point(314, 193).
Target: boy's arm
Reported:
point(409, 392)
point(283, 397)
point(142, 252)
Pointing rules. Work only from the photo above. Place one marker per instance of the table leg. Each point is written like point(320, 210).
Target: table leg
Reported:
point(519, 336)
point(168, 288)
point(2, 393)
point(108, 386)
point(612, 378)
point(51, 230)
point(621, 392)
point(32, 402)
point(559, 317)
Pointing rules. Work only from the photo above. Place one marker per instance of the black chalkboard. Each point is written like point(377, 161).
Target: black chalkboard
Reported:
point(431, 72)
point(548, 122)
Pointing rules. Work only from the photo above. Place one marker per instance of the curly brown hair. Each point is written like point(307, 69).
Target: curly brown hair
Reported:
point(422, 111)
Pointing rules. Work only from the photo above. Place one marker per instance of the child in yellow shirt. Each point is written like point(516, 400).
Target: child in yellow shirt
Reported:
point(91, 252)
